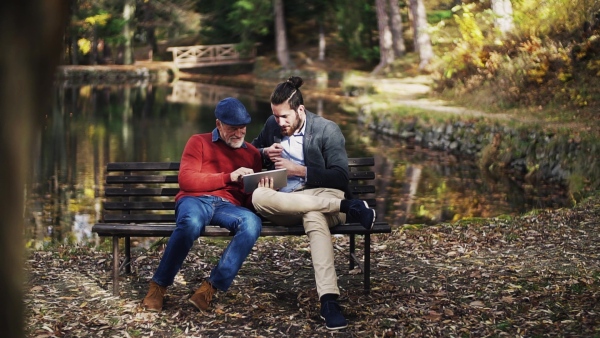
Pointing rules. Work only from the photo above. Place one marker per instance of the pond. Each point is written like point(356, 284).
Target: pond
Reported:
point(91, 125)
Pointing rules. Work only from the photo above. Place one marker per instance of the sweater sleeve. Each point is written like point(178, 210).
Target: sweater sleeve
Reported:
point(191, 177)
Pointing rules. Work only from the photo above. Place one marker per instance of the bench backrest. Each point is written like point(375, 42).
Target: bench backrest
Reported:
point(143, 192)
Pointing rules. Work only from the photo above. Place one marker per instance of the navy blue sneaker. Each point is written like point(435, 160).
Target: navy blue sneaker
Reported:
point(360, 211)
point(332, 313)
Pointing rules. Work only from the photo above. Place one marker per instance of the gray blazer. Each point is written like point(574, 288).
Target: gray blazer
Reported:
point(324, 146)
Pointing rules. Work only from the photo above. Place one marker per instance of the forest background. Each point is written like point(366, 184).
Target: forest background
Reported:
point(541, 57)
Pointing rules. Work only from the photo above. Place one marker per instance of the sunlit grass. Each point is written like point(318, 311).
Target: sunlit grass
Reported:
point(413, 226)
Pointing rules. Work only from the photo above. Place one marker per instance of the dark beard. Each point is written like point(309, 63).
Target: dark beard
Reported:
point(295, 127)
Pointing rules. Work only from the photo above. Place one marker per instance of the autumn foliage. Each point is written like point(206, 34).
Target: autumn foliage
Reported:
point(552, 60)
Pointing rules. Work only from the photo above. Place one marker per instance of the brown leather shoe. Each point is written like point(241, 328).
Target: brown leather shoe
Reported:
point(203, 296)
point(154, 298)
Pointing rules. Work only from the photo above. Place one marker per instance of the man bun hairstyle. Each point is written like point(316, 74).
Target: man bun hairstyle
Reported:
point(289, 91)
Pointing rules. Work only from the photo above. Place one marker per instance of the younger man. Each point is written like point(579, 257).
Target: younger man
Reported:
point(312, 149)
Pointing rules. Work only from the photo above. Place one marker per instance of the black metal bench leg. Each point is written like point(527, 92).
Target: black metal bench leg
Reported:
point(367, 263)
point(127, 262)
point(115, 265)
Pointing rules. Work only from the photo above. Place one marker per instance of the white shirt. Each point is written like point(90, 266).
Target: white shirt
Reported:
point(293, 151)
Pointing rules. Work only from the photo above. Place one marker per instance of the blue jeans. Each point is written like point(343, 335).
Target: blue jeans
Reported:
point(192, 215)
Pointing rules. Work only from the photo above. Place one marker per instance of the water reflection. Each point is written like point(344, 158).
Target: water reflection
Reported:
point(90, 126)
point(420, 186)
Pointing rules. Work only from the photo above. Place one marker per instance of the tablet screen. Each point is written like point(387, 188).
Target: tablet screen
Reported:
point(251, 180)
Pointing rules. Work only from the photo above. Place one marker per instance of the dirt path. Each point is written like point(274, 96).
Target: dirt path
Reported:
point(415, 92)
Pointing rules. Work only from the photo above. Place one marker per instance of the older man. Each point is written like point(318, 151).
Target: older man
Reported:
point(211, 192)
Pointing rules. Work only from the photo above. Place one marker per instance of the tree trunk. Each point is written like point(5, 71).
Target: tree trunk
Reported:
point(150, 28)
point(413, 174)
point(74, 49)
point(386, 53)
point(128, 14)
point(322, 42)
point(73, 35)
point(283, 54)
point(94, 60)
point(421, 37)
point(396, 25)
point(384, 165)
point(503, 15)
point(27, 69)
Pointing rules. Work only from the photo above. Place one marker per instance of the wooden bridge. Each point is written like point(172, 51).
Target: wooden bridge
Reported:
point(197, 93)
point(210, 55)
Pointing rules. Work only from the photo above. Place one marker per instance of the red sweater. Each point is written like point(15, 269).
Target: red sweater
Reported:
point(206, 167)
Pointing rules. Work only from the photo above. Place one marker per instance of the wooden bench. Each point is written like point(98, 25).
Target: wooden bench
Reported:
point(139, 202)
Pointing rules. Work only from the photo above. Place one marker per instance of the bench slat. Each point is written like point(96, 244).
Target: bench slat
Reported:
point(163, 166)
point(159, 230)
point(362, 189)
point(139, 206)
point(142, 166)
point(139, 218)
point(118, 192)
point(124, 179)
point(361, 175)
point(361, 161)
point(123, 192)
point(125, 206)
point(370, 201)
point(114, 179)
point(149, 217)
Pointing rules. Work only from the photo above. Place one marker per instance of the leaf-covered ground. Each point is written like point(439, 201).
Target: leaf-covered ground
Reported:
point(536, 275)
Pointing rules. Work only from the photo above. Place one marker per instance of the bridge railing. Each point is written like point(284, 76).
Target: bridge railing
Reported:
point(197, 93)
point(207, 55)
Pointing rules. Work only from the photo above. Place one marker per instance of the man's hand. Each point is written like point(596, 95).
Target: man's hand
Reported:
point(273, 152)
point(266, 182)
point(236, 176)
point(293, 169)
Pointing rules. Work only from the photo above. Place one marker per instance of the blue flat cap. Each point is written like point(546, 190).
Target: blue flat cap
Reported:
point(232, 112)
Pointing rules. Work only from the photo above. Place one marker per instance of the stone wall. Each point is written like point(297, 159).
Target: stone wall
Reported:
point(524, 150)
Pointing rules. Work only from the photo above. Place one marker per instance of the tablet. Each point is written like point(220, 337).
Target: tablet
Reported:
point(251, 180)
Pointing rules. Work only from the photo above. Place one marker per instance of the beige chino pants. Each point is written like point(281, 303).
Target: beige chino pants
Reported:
point(318, 209)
